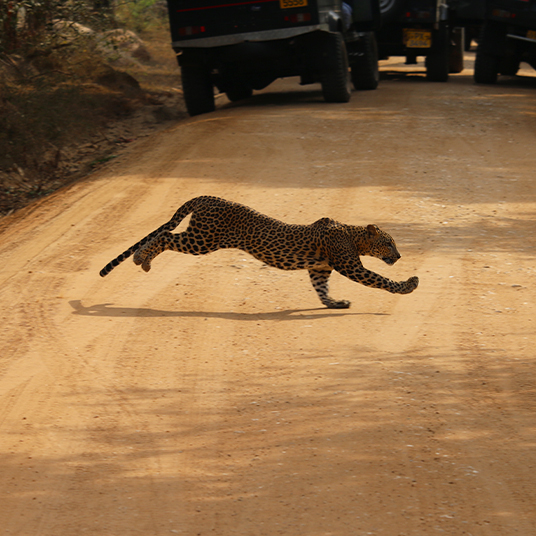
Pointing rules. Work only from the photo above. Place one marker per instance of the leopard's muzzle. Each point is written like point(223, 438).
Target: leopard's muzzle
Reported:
point(391, 259)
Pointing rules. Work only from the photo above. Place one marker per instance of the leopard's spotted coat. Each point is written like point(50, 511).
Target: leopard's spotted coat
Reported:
point(320, 247)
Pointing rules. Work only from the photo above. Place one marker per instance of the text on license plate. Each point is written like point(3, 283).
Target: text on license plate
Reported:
point(286, 4)
point(418, 38)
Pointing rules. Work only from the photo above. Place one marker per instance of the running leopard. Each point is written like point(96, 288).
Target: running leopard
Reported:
point(320, 247)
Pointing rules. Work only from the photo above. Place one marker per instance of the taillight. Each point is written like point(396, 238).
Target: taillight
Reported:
point(191, 30)
point(503, 14)
point(419, 15)
point(298, 17)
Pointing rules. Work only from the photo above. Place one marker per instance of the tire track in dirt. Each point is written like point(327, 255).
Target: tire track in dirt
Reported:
point(215, 395)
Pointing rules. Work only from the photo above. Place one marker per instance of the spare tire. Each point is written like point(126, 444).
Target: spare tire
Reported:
point(390, 9)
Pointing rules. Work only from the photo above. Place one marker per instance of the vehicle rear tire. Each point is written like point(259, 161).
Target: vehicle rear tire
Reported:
point(457, 47)
point(364, 64)
point(486, 68)
point(437, 60)
point(487, 62)
point(509, 66)
point(237, 92)
point(198, 90)
point(510, 61)
point(335, 76)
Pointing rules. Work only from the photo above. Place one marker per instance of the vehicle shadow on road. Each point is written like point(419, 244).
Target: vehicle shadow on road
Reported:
point(107, 309)
point(301, 96)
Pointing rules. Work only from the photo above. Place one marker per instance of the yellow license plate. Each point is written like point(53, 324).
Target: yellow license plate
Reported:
point(418, 38)
point(287, 4)
point(531, 34)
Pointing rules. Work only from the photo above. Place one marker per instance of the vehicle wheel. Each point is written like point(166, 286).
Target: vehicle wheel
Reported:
point(486, 68)
point(509, 65)
point(437, 60)
point(364, 64)
point(237, 92)
point(198, 90)
point(335, 77)
point(511, 59)
point(486, 60)
point(457, 46)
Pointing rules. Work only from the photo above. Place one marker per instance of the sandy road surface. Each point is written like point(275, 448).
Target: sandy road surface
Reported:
point(216, 396)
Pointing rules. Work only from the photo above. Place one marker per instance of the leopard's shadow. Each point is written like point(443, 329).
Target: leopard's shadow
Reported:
point(107, 309)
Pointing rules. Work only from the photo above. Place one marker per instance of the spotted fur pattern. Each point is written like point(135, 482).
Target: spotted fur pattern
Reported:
point(320, 247)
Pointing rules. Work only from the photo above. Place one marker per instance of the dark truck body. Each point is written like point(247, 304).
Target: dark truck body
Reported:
point(467, 14)
point(209, 23)
point(243, 45)
point(415, 28)
point(436, 29)
point(508, 37)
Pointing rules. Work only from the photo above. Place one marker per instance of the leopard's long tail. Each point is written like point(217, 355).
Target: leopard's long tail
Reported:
point(172, 224)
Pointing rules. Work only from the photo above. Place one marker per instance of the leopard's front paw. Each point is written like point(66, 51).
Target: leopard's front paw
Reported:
point(337, 304)
point(410, 285)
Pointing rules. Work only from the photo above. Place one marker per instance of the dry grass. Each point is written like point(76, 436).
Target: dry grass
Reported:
point(64, 114)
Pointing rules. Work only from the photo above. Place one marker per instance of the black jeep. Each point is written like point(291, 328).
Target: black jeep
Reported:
point(435, 29)
point(508, 37)
point(239, 46)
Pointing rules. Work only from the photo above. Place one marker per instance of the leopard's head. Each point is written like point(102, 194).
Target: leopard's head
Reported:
point(381, 245)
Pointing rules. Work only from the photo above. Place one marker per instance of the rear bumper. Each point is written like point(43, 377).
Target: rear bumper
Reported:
point(234, 39)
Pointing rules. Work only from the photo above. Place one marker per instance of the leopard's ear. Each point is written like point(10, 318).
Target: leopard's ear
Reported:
point(372, 231)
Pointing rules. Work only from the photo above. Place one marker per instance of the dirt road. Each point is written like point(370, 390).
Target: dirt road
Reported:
point(217, 396)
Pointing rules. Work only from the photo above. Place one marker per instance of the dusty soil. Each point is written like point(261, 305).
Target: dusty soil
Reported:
point(216, 396)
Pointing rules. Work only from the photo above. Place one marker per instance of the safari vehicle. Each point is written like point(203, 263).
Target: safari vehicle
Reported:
point(244, 45)
point(413, 28)
point(508, 37)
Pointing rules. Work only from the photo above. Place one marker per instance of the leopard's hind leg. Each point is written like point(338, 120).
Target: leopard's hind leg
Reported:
point(173, 223)
point(185, 242)
point(320, 280)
